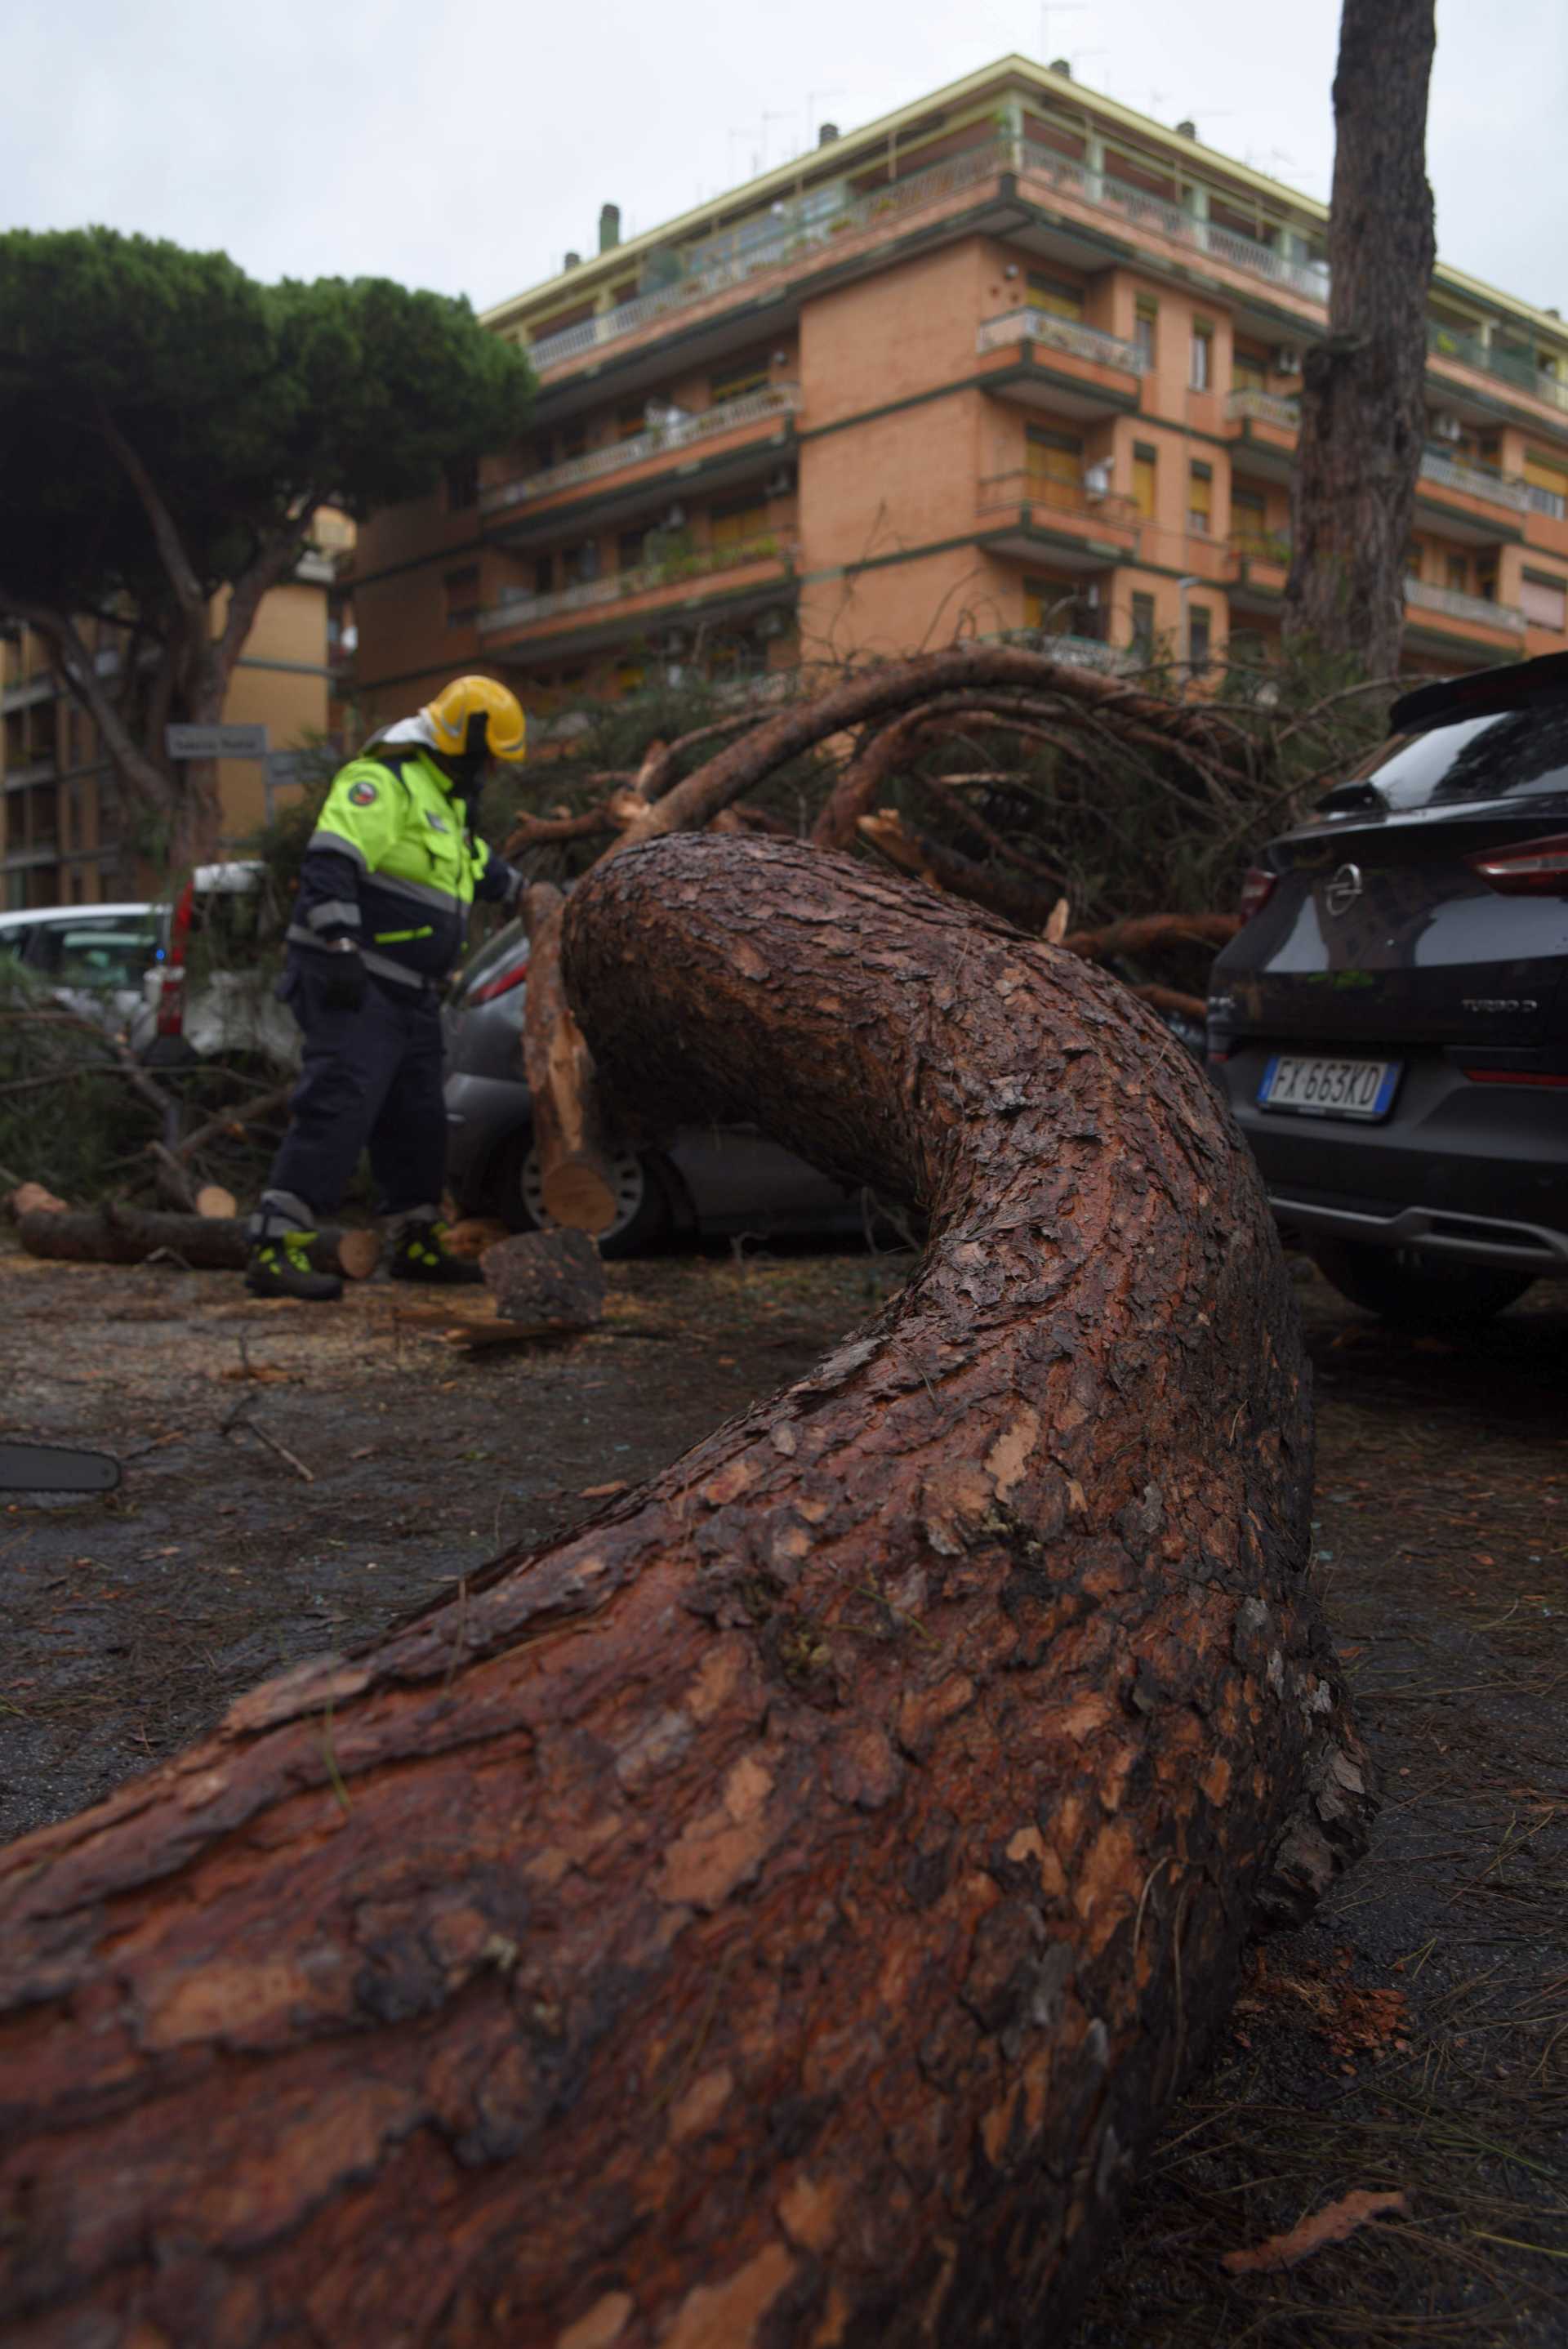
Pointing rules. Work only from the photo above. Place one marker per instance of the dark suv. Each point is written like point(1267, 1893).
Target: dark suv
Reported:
point(1391, 1023)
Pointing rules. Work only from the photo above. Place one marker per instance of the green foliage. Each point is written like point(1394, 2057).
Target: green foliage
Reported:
point(69, 1122)
point(241, 399)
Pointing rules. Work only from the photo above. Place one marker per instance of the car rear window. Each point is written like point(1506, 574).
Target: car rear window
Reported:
point(93, 954)
point(1508, 754)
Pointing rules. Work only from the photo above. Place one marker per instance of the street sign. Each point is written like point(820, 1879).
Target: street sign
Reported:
point(215, 741)
point(283, 767)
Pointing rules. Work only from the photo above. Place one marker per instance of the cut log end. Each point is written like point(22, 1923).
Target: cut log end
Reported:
point(213, 1202)
point(358, 1253)
point(577, 1194)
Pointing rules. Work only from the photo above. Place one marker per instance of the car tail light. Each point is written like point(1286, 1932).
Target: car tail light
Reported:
point(1515, 1077)
point(1539, 868)
point(172, 993)
point(512, 975)
point(1257, 887)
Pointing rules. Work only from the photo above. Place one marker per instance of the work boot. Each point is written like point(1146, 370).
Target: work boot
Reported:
point(279, 1263)
point(419, 1252)
point(281, 1266)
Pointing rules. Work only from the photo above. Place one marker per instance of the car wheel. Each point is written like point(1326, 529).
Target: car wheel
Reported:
point(1414, 1290)
point(642, 1217)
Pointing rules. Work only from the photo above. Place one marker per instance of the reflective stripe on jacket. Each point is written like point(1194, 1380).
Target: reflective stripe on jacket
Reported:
point(392, 865)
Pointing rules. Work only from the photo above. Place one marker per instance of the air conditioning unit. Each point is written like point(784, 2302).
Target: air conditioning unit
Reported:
point(1446, 428)
point(1287, 359)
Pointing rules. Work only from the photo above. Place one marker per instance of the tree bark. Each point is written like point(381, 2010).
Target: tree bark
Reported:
point(116, 1235)
point(572, 1158)
point(776, 1913)
point(554, 1278)
point(1363, 408)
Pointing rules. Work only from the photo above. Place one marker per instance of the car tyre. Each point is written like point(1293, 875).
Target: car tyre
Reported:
point(643, 1216)
point(1415, 1291)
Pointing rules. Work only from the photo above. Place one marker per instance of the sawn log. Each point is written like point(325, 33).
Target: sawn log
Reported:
point(116, 1235)
point(777, 1913)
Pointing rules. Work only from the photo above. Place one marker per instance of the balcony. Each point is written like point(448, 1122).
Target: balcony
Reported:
point(774, 405)
point(1257, 567)
point(803, 229)
point(679, 572)
point(1474, 611)
point(1067, 334)
point(798, 230)
point(1088, 529)
point(1249, 406)
point(1468, 481)
point(1505, 366)
point(1308, 279)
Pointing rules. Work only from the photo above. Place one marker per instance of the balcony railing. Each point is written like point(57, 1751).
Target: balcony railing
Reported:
point(1509, 367)
point(1473, 481)
point(1004, 491)
point(795, 231)
point(1306, 277)
point(1263, 407)
point(1063, 335)
point(1546, 501)
point(1478, 610)
point(1261, 546)
point(518, 609)
point(36, 770)
point(774, 401)
point(1081, 652)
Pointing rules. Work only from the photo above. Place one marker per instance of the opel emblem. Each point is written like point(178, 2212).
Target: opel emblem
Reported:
point(1344, 889)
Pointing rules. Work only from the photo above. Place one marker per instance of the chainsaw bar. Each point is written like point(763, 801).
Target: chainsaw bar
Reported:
point(52, 1468)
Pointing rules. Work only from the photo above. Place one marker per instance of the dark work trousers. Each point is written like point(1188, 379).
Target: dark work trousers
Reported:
point(371, 1079)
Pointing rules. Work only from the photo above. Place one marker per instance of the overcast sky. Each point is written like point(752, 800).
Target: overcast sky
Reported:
point(467, 144)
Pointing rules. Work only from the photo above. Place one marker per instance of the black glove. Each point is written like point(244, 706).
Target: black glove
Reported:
point(346, 980)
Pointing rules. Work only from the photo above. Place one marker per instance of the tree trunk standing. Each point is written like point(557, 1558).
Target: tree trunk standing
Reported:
point(1363, 410)
point(775, 1914)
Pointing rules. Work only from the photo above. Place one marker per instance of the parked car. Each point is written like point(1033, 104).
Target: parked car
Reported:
point(1391, 1023)
point(730, 1179)
point(206, 996)
point(91, 957)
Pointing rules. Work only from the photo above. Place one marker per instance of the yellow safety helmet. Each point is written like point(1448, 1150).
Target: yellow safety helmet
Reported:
point(468, 701)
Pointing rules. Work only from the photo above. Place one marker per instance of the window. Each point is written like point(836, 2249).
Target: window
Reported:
point(1055, 463)
point(740, 524)
point(1486, 579)
point(630, 549)
point(1248, 369)
point(1145, 320)
point(1201, 372)
point(463, 485)
point(1457, 574)
point(1056, 296)
point(1200, 498)
point(581, 562)
point(630, 421)
point(1544, 601)
point(1249, 519)
point(1413, 561)
point(463, 596)
point(742, 375)
point(1548, 485)
point(1143, 628)
point(1198, 638)
point(543, 573)
point(574, 439)
point(1047, 605)
point(1144, 462)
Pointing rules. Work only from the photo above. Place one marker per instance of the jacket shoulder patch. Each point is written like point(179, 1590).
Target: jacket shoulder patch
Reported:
point(362, 794)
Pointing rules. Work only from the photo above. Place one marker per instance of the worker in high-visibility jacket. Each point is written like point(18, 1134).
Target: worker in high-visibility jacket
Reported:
point(381, 916)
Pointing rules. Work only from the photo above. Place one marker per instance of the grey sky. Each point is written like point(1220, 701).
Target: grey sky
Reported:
point(468, 146)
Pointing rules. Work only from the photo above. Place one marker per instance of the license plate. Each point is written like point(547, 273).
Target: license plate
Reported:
point(1315, 1086)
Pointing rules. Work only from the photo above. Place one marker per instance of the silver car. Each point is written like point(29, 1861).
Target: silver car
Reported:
point(731, 1179)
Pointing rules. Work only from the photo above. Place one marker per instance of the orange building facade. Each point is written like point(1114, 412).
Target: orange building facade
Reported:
point(1014, 360)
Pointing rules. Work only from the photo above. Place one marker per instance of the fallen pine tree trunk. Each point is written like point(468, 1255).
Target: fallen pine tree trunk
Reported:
point(776, 1913)
point(120, 1235)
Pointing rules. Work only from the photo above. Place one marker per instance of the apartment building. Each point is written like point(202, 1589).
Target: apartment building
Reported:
point(1015, 359)
point(65, 836)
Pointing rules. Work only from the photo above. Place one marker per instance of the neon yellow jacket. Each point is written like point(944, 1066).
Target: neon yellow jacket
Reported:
point(393, 866)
